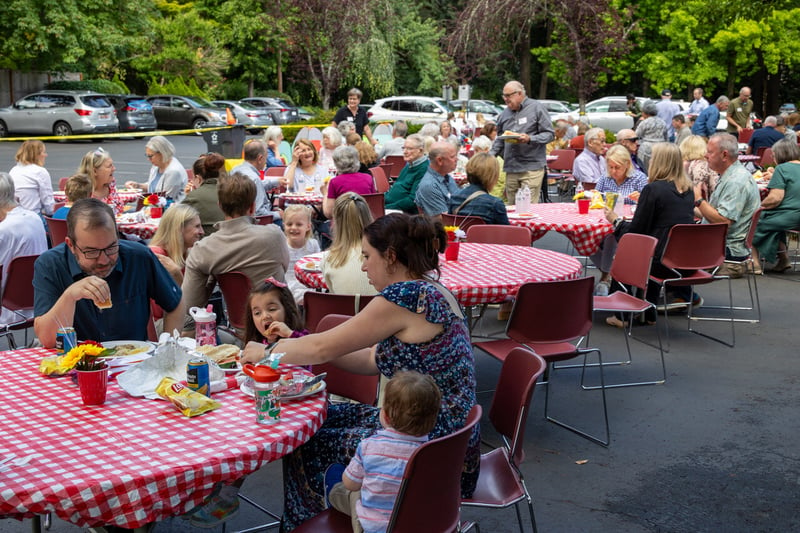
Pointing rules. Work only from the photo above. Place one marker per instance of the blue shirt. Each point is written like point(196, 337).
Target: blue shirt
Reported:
point(137, 277)
point(61, 212)
point(492, 210)
point(764, 138)
point(705, 124)
point(434, 192)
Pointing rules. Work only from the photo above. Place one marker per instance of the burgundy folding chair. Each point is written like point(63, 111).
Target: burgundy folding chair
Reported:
point(359, 387)
point(275, 171)
point(235, 287)
point(430, 490)
point(462, 221)
point(499, 234)
point(381, 181)
point(62, 183)
point(387, 170)
point(376, 204)
point(631, 268)
point(560, 169)
point(397, 163)
point(319, 304)
point(500, 483)
point(552, 318)
point(694, 252)
point(263, 220)
point(58, 230)
point(18, 295)
point(744, 135)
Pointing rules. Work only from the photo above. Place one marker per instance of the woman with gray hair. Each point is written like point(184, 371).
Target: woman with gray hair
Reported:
point(650, 130)
point(273, 137)
point(331, 140)
point(348, 178)
point(167, 174)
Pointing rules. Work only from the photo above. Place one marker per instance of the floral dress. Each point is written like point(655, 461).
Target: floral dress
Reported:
point(448, 358)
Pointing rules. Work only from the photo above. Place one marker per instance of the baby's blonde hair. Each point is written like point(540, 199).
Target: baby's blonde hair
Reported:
point(304, 211)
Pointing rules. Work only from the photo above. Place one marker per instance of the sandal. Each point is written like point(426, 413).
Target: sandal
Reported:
point(616, 322)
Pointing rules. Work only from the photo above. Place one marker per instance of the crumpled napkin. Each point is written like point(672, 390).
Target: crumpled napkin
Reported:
point(170, 360)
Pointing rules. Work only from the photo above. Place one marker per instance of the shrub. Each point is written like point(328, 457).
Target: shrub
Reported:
point(99, 86)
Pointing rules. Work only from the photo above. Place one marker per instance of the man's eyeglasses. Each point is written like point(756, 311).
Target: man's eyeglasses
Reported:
point(631, 139)
point(509, 95)
point(93, 253)
point(409, 148)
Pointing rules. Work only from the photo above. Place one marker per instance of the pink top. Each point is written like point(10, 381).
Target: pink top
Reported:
point(356, 182)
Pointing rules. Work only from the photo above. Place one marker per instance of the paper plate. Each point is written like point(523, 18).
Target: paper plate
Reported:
point(132, 348)
point(247, 390)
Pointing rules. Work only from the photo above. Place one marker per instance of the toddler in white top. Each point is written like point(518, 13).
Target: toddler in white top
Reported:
point(298, 226)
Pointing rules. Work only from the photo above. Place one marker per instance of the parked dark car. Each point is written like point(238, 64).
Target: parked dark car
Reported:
point(185, 112)
point(282, 111)
point(133, 112)
point(59, 113)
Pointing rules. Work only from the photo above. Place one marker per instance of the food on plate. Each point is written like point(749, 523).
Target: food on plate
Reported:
point(104, 305)
point(509, 133)
point(128, 349)
point(225, 355)
point(311, 266)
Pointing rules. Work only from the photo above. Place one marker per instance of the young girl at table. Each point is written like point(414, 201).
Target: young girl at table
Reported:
point(298, 224)
point(272, 315)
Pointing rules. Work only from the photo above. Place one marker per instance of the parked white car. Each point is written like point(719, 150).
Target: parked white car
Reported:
point(610, 113)
point(412, 109)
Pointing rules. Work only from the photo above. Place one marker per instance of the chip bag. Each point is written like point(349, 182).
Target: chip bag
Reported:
point(188, 402)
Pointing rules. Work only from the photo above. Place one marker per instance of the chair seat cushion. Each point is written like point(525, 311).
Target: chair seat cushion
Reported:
point(556, 351)
point(327, 520)
point(698, 277)
point(498, 484)
point(622, 302)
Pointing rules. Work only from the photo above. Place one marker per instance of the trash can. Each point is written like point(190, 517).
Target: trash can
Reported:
point(229, 141)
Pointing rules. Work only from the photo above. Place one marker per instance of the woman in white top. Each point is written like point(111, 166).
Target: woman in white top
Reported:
point(341, 265)
point(31, 180)
point(331, 140)
point(167, 174)
point(304, 170)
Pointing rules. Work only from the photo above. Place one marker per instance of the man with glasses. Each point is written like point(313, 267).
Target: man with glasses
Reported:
point(100, 285)
point(524, 155)
point(404, 190)
point(628, 139)
point(739, 112)
point(590, 165)
point(255, 161)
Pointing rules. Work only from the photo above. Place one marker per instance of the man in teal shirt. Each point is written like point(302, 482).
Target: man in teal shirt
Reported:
point(401, 195)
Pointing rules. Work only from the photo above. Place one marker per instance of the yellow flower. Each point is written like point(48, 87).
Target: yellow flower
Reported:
point(451, 229)
point(77, 354)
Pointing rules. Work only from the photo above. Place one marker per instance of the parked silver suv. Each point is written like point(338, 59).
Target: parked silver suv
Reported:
point(59, 113)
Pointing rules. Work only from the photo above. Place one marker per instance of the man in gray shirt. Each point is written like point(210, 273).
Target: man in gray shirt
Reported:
point(524, 157)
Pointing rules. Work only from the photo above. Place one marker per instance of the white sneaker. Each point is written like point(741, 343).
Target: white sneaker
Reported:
point(601, 289)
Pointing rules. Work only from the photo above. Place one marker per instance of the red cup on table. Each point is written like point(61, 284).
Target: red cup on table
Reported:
point(583, 205)
point(451, 252)
point(156, 212)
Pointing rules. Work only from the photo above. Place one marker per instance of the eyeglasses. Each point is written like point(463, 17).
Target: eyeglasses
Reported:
point(93, 253)
point(509, 95)
point(409, 148)
point(151, 156)
point(631, 139)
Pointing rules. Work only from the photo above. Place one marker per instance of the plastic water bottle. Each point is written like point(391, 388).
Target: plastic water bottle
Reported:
point(579, 187)
point(526, 198)
point(519, 203)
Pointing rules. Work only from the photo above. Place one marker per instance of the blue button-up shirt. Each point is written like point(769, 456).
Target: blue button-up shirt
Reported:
point(434, 192)
point(136, 278)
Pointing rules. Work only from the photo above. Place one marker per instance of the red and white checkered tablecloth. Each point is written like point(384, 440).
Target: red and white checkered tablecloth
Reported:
point(130, 461)
point(484, 273)
point(585, 232)
point(143, 230)
point(305, 199)
point(126, 197)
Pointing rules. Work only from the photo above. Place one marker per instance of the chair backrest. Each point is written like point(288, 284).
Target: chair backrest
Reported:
point(376, 203)
point(499, 234)
point(62, 183)
point(358, 387)
point(383, 129)
point(315, 134)
point(275, 171)
point(319, 304)
point(58, 205)
point(58, 230)
point(430, 492)
point(263, 220)
point(512, 398)
point(397, 163)
point(566, 158)
point(235, 287)
point(695, 246)
point(381, 181)
point(462, 221)
point(631, 265)
point(767, 158)
point(303, 133)
point(18, 292)
point(285, 150)
point(745, 134)
point(387, 170)
point(552, 311)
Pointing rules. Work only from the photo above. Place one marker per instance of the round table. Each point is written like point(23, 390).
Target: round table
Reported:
point(143, 227)
point(125, 197)
point(585, 232)
point(305, 199)
point(131, 461)
point(484, 273)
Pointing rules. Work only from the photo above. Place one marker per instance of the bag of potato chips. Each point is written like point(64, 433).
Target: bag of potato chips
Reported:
point(188, 402)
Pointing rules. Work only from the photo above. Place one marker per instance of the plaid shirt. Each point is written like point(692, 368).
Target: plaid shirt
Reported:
point(635, 182)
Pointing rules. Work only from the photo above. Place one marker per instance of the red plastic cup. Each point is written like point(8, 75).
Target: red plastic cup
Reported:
point(156, 212)
point(451, 252)
point(583, 205)
point(93, 385)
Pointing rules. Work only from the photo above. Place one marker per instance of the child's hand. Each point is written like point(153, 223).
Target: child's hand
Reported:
point(253, 352)
point(278, 330)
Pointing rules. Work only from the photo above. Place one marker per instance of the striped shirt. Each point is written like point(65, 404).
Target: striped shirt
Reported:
point(378, 465)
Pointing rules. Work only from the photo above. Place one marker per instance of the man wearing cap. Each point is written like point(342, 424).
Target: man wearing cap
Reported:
point(666, 110)
point(739, 112)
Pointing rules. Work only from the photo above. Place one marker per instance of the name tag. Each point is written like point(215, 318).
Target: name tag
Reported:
point(738, 109)
point(349, 119)
point(522, 120)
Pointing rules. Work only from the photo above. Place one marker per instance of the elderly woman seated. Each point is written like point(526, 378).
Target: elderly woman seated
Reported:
point(331, 140)
point(475, 200)
point(349, 179)
point(560, 141)
point(650, 130)
point(623, 179)
point(781, 208)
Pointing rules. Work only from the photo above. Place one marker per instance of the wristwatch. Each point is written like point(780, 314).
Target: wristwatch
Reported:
point(699, 201)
